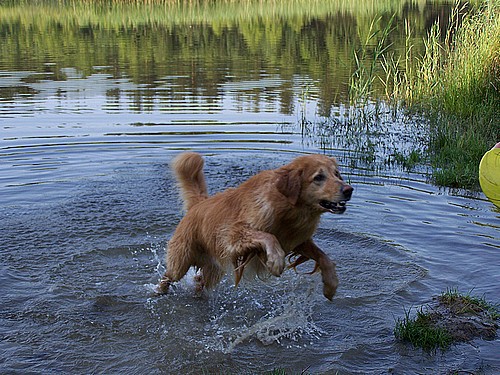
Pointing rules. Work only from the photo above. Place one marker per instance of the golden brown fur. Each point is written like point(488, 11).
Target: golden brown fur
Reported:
point(254, 226)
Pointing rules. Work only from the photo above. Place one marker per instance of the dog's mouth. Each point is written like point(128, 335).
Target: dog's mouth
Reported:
point(333, 207)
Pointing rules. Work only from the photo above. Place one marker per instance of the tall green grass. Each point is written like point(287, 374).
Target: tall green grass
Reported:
point(362, 80)
point(119, 13)
point(456, 84)
point(459, 87)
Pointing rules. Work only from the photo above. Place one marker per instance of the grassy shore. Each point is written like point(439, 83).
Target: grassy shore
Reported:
point(456, 85)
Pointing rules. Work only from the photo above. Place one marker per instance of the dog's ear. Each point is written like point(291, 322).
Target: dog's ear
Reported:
point(289, 184)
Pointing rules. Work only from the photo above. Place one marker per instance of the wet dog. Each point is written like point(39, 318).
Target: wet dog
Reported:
point(254, 227)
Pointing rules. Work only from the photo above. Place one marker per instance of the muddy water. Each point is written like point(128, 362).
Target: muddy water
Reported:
point(88, 204)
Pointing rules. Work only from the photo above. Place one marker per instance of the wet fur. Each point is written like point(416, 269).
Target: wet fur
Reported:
point(252, 228)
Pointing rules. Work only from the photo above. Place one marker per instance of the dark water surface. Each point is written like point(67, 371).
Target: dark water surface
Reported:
point(90, 118)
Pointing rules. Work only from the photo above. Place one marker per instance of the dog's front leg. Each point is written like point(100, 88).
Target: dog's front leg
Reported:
point(246, 239)
point(274, 253)
point(328, 273)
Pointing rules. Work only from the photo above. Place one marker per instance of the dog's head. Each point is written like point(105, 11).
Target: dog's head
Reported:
point(315, 181)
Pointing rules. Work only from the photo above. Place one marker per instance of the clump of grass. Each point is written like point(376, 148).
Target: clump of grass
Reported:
point(409, 159)
point(421, 333)
point(468, 304)
point(455, 317)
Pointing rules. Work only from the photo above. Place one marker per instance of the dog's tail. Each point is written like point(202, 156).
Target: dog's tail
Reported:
point(188, 168)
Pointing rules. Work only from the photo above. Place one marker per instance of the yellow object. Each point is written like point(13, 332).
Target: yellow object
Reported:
point(489, 174)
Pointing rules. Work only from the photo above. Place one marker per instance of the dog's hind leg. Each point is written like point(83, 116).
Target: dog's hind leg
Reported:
point(209, 275)
point(178, 263)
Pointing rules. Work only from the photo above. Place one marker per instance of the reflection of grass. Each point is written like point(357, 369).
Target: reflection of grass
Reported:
point(120, 13)
point(149, 40)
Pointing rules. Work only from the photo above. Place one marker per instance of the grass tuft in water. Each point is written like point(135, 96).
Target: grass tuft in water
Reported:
point(453, 317)
point(421, 333)
point(408, 159)
point(469, 304)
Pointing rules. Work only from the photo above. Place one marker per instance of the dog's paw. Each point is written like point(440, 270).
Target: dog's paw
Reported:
point(330, 288)
point(161, 289)
point(163, 286)
point(276, 262)
point(330, 281)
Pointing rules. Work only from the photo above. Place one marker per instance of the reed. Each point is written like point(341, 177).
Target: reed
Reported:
point(365, 61)
point(457, 85)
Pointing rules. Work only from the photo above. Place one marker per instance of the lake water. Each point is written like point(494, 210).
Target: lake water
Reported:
point(94, 104)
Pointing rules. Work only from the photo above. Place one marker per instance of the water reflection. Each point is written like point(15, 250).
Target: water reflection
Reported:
point(202, 55)
point(92, 74)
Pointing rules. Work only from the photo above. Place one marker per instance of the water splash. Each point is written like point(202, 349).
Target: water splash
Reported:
point(263, 314)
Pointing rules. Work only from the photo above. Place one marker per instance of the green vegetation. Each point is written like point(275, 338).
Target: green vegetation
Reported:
point(132, 13)
point(366, 60)
point(199, 41)
point(456, 85)
point(453, 318)
point(421, 332)
point(468, 304)
point(464, 99)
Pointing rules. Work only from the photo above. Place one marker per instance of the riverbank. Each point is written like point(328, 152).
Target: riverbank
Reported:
point(456, 85)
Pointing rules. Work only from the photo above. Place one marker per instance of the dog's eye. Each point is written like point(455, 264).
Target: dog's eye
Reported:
point(338, 175)
point(319, 177)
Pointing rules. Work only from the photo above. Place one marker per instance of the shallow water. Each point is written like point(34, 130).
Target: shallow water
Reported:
point(88, 204)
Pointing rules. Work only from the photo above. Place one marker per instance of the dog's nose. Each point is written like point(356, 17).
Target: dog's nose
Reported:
point(347, 191)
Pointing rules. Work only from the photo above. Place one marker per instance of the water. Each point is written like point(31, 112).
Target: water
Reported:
point(88, 204)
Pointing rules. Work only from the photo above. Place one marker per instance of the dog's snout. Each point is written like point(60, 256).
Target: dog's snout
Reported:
point(347, 191)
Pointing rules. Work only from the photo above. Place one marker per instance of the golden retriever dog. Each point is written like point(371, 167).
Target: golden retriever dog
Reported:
point(253, 228)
